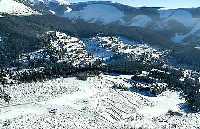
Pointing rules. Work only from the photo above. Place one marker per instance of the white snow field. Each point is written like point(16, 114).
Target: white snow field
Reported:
point(68, 103)
point(97, 13)
point(14, 8)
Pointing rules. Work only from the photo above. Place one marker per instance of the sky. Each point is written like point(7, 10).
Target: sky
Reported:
point(168, 4)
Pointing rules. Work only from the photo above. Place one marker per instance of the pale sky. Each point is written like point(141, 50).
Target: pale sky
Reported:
point(169, 4)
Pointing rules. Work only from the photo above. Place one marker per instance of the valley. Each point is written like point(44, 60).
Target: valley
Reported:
point(98, 65)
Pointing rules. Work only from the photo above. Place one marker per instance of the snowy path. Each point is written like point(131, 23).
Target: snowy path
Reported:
point(93, 104)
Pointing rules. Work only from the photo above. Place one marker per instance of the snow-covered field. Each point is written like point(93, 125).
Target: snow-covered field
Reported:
point(94, 104)
point(14, 8)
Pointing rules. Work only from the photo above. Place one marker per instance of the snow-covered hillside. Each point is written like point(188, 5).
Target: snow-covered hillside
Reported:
point(97, 13)
point(14, 8)
point(140, 21)
point(180, 16)
point(169, 4)
point(94, 99)
point(178, 38)
point(159, 20)
point(61, 2)
point(94, 104)
point(66, 80)
point(63, 48)
point(179, 24)
point(103, 12)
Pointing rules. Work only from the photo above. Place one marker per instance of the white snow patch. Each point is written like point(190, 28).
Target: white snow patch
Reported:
point(194, 30)
point(178, 38)
point(97, 12)
point(140, 21)
point(85, 92)
point(162, 104)
point(181, 16)
point(68, 9)
point(16, 111)
point(197, 47)
point(93, 47)
point(61, 2)
point(15, 8)
point(53, 12)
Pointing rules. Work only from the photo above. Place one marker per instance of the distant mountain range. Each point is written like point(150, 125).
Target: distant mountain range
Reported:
point(178, 25)
point(175, 29)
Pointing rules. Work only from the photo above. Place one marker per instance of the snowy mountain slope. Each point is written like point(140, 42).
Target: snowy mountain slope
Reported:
point(97, 13)
point(93, 47)
point(63, 48)
point(61, 2)
point(157, 3)
point(106, 47)
point(158, 20)
point(91, 104)
point(95, 99)
point(54, 7)
point(174, 23)
point(140, 21)
point(181, 16)
point(14, 8)
point(178, 38)
point(185, 18)
point(76, 79)
point(170, 22)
